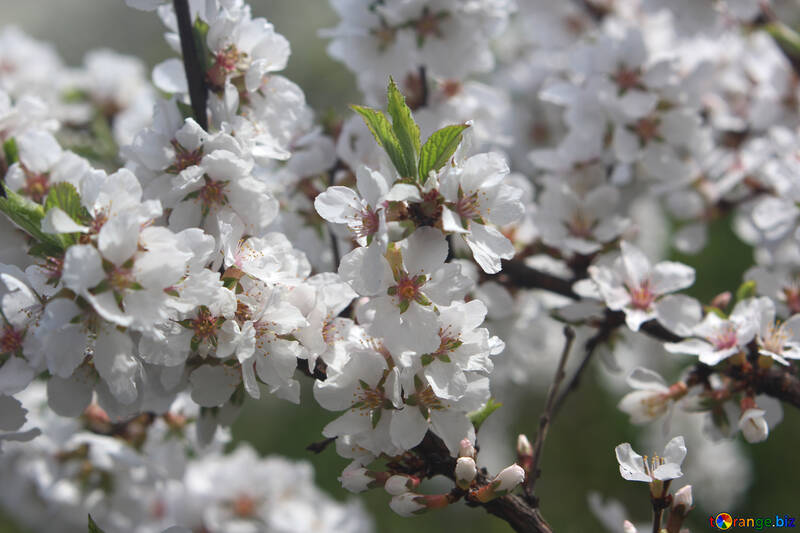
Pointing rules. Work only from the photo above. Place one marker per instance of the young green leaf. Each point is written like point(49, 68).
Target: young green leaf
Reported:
point(439, 147)
point(64, 196)
point(28, 215)
point(479, 417)
point(405, 129)
point(382, 131)
point(10, 151)
point(94, 528)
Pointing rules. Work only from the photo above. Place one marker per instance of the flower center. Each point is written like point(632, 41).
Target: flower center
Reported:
point(329, 332)
point(11, 340)
point(244, 506)
point(212, 194)
point(36, 186)
point(647, 128)
point(184, 158)
point(776, 337)
point(204, 325)
point(642, 296)
point(725, 338)
point(370, 398)
point(364, 223)
point(120, 278)
point(626, 78)
point(580, 225)
point(385, 36)
point(468, 207)
point(428, 25)
point(652, 463)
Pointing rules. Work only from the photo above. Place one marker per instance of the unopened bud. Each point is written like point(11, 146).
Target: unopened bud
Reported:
point(407, 504)
point(722, 300)
point(681, 505)
point(524, 447)
point(505, 482)
point(355, 479)
point(627, 527)
point(754, 426)
point(682, 500)
point(398, 484)
point(465, 472)
point(410, 503)
point(466, 449)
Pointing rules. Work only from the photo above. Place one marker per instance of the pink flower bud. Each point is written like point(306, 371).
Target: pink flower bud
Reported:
point(505, 482)
point(754, 426)
point(627, 527)
point(398, 484)
point(509, 478)
point(524, 447)
point(466, 449)
point(683, 499)
point(465, 471)
point(356, 479)
point(407, 504)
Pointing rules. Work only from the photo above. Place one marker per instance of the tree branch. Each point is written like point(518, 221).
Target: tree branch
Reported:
point(192, 64)
point(547, 415)
point(523, 518)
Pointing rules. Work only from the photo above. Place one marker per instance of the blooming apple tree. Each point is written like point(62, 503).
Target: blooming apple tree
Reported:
point(173, 248)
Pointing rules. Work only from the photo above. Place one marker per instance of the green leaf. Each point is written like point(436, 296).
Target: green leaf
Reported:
point(438, 149)
point(28, 215)
point(404, 127)
point(94, 528)
point(382, 131)
point(746, 290)
point(715, 310)
point(376, 417)
point(479, 417)
point(787, 39)
point(65, 196)
point(10, 151)
point(200, 33)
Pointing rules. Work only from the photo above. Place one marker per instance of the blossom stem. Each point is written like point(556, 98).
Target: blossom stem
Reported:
point(192, 63)
point(547, 415)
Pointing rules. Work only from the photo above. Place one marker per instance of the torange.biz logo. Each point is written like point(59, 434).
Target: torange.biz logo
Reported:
point(727, 521)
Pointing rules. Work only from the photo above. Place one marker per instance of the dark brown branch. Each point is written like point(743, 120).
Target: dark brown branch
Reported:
point(319, 447)
point(523, 518)
point(547, 415)
point(518, 274)
point(778, 382)
point(192, 64)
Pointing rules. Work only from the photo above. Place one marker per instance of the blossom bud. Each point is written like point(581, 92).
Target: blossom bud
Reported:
point(505, 482)
point(524, 447)
point(356, 479)
point(407, 504)
point(398, 484)
point(721, 300)
point(681, 505)
point(682, 501)
point(410, 503)
point(627, 527)
point(465, 472)
point(753, 425)
point(466, 449)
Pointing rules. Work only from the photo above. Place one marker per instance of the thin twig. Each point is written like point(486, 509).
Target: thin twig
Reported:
point(334, 242)
point(544, 420)
point(319, 447)
point(423, 81)
point(195, 76)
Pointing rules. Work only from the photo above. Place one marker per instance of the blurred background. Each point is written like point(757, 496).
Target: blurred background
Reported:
point(578, 456)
